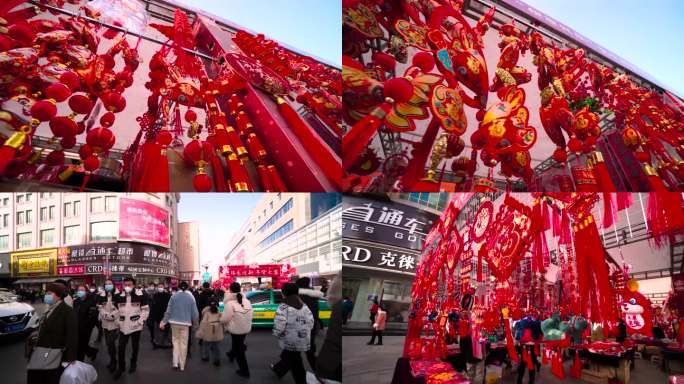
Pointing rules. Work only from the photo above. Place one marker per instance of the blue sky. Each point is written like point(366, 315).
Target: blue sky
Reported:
point(311, 26)
point(645, 33)
point(220, 215)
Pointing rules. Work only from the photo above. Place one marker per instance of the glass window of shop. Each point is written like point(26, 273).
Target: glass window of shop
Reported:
point(110, 203)
point(103, 230)
point(95, 204)
point(72, 234)
point(47, 237)
point(394, 293)
point(4, 242)
point(24, 240)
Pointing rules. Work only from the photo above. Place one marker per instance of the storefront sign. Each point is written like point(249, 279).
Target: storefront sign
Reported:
point(354, 254)
point(385, 222)
point(40, 262)
point(143, 221)
point(119, 258)
point(78, 269)
point(265, 270)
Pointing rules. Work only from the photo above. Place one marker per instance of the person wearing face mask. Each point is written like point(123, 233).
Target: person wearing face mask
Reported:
point(109, 317)
point(181, 314)
point(133, 311)
point(157, 309)
point(237, 314)
point(68, 300)
point(56, 343)
point(85, 305)
point(150, 290)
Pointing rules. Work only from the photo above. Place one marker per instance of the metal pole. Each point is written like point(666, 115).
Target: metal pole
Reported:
point(120, 29)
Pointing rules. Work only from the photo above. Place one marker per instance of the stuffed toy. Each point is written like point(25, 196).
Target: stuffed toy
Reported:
point(636, 310)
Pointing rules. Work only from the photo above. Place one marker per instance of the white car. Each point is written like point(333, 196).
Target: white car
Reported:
point(16, 317)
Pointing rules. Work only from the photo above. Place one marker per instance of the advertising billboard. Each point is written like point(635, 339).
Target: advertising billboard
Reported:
point(143, 221)
point(39, 262)
point(116, 258)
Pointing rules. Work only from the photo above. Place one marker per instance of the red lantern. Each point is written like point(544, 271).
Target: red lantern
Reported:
point(58, 91)
point(91, 163)
point(44, 110)
point(71, 80)
point(85, 151)
point(68, 142)
point(55, 158)
point(100, 139)
point(62, 126)
point(164, 137)
point(201, 182)
point(80, 104)
point(107, 120)
point(114, 102)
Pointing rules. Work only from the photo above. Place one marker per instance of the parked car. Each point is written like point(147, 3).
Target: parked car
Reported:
point(16, 317)
point(266, 302)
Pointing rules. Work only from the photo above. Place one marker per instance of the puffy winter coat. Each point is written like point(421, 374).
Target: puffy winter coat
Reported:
point(182, 309)
point(211, 328)
point(380, 320)
point(133, 310)
point(292, 326)
point(237, 317)
point(108, 313)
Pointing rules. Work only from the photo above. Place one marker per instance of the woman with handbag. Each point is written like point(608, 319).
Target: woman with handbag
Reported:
point(57, 340)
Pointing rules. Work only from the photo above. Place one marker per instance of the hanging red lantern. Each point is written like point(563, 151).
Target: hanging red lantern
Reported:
point(107, 120)
point(91, 163)
point(71, 80)
point(114, 102)
point(68, 142)
point(58, 91)
point(80, 104)
point(85, 151)
point(55, 158)
point(199, 153)
point(100, 139)
point(164, 137)
point(44, 110)
point(62, 126)
point(201, 182)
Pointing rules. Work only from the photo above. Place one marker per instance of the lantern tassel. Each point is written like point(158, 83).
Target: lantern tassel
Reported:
point(664, 216)
point(607, 210)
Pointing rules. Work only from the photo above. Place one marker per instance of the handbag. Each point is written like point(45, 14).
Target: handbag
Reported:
point(30, 344)
point(44, 358)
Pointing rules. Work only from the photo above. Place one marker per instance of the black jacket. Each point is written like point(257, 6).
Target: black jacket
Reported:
point(86, 311)
point(60, 330)
point(159, 304)
point(203, 299)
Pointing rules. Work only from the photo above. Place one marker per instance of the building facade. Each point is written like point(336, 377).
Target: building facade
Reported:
point(188, 251)
point(299, 229)
point(382, 240)
point(87, 236)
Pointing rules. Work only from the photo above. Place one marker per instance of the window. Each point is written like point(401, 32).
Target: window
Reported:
point(51, 213)
point(24, 240)
point(96, 204)
point(277, 215)
point(67, 209)
point(5, 220)
point(104, 230)
point(47, 237)
point(20, 199)
point(259, 298)
point(43, 214)
point(5, 201)
point(77, 208)
point(29, 216)
point(110, 203)
point(28, 197)
point(278, 233)
point(270, 205)
point(20, 218)
point(4, 242)
point(72, 234)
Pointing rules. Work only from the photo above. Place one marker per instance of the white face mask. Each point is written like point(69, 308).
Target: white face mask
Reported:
point(128, 289)
point(160, 289)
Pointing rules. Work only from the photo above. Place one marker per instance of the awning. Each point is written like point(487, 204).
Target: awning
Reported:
point(36, 280)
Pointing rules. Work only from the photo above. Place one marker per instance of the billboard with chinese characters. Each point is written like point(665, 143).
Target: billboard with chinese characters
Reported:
point(261, 270)
point(385, 222)
point(358, 254)
point(143, 221)
point(39, 262)
point(119, 258)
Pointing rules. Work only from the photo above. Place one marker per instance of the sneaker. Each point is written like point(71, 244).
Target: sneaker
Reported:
point(182, 369)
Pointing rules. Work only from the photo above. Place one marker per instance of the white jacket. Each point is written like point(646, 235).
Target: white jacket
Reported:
point(237, 317)
point(292, 327)
point(133, 311)
point(108, 313)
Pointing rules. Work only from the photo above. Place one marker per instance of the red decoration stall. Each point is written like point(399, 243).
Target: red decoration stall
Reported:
point(456, 96)
point(211, 108)
point(522, 277)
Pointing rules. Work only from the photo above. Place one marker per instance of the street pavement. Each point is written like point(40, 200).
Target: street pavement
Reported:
point(363, 364)
point(154, 366)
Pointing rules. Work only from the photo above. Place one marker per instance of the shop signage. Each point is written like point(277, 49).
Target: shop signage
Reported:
point(78, 269)
point(143, 221)
point(385, 222)
point(376, 257)
point(40, 262)
point(119, 258)
point(265, 270)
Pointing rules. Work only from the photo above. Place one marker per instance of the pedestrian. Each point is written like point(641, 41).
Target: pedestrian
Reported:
point(133, 311)
point(109, 317)
point(329, 360)
point(292, 326)
point(310, 298)
point(181, 314)
point(373, 310)
point(622, 331)
point(379, 324)
point(150, 291)
point(347, 308)
point(157, 309)
point(68, 300)
point(204, 296)
point(237, 314)
point(211, 332)
point(92, 288)
point(56, 344)
point(85, 306)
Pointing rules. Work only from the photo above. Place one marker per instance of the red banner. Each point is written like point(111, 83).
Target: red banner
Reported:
point(263, 270)
point(143, 221)
point(78, 269)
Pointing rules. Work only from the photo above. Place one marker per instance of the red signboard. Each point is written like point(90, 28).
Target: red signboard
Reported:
point(143, 221)
point(78, 269)
point(262, 270)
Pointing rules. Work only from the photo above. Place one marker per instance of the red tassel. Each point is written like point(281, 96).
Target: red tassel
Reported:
point(482, 250)
point(624, 200)
point(565, 237)
point(557, 366)
point(665, 217)
point(528, 359)
point(355, 141)
point(510, 346)
point(219, 177)
point(556, 221)
point(546, 220)
point(155, 173)
point(576, 369)
point(654, 180)
point(601, 174)
point(86, 178)
point(323, 156)
point(607, 210)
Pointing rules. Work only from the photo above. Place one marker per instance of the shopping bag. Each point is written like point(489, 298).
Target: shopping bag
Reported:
point(79, 373)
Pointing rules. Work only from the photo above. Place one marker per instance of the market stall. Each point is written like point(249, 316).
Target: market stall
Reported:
point(524, 281)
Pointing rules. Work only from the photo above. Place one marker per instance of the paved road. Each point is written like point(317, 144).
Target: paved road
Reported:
point(154, 366)
point(374, 364)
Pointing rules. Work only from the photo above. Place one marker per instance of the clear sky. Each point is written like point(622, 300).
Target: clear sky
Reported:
point(648, 34)
point(219, 215)
point(311, 26)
